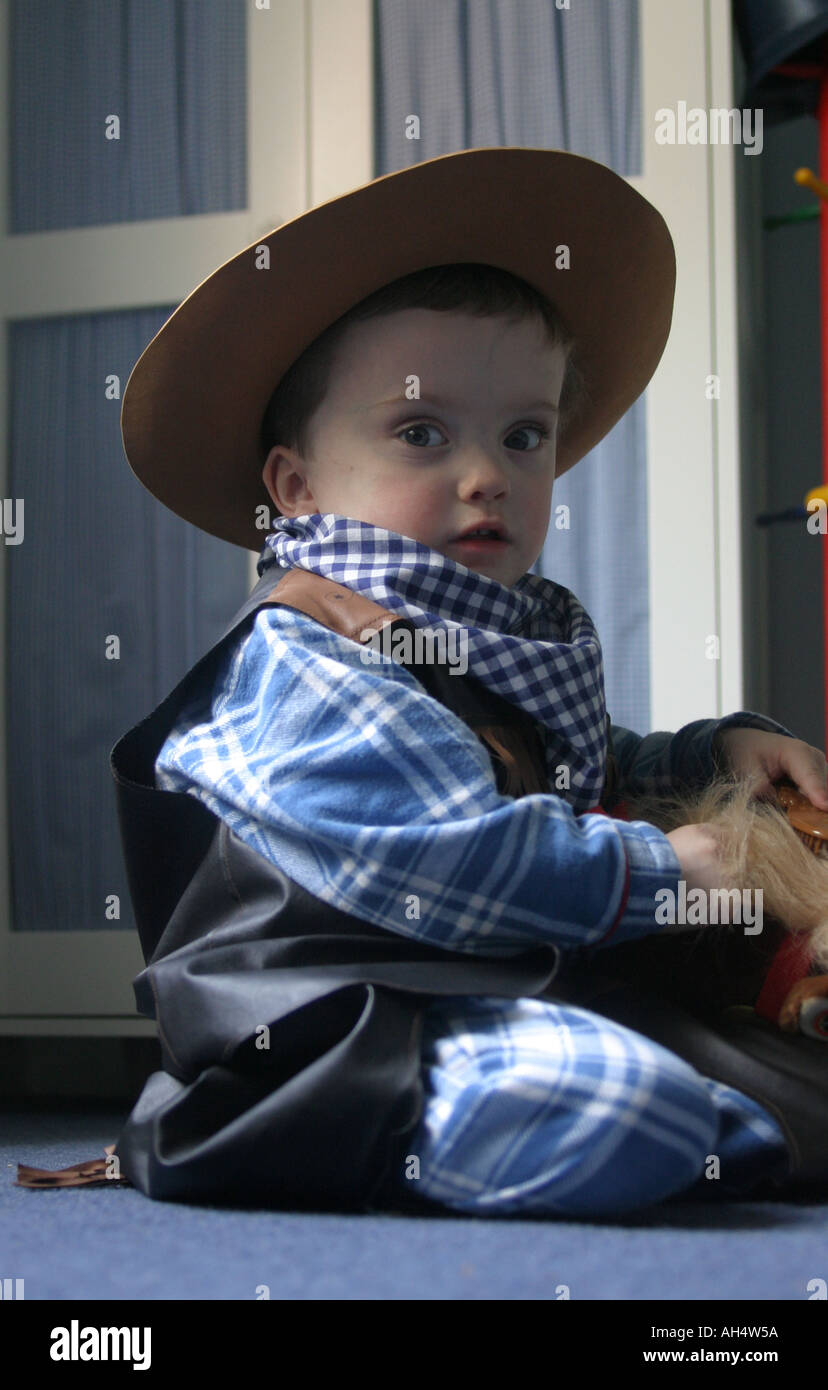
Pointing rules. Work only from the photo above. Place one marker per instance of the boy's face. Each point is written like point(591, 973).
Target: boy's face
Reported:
point(478, 444)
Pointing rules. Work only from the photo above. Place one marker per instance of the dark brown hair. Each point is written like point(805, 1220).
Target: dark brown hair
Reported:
point(470, 287)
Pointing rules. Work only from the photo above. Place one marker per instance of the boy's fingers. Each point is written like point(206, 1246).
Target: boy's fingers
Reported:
point(813, 785)
point(809, 771)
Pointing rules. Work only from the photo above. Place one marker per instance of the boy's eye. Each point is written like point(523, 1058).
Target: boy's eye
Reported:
point(423, 428)
point(414, 429)
point(532, 429)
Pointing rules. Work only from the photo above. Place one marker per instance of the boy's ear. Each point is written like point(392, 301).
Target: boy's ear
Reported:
point(285, 476)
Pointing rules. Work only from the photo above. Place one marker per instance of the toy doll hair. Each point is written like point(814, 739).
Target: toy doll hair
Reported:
point(469, 287)
point(760, 849)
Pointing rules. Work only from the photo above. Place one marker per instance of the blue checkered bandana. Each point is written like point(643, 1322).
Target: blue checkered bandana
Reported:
point(532, 643)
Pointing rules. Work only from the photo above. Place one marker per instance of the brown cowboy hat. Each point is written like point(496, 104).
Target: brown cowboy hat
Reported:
point(194, 403)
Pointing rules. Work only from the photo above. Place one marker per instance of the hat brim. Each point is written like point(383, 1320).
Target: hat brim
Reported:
point(193, 406)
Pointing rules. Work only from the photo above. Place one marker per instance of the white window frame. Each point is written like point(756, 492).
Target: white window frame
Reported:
point(692, 442)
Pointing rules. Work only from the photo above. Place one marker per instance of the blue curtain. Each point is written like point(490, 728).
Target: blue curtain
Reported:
point(523, 72)
point(174, 73)
point(100, 558)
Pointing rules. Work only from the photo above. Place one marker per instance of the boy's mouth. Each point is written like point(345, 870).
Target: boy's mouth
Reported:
point(483, 536)
point(480, 543)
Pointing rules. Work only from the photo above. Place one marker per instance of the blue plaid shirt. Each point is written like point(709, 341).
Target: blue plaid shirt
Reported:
point(379, 800)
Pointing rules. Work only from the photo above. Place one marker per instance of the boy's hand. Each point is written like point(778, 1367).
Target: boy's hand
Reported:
point(747, 751)
point(698, 849)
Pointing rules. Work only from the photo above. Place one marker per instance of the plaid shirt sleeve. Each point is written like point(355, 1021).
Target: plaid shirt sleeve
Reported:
point(377, 799)
point(656, 764)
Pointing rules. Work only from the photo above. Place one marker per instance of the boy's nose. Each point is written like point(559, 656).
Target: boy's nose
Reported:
point(484, 474)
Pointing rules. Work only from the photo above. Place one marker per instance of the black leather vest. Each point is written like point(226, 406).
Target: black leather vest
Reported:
point(290, 1031)
point(238, 955)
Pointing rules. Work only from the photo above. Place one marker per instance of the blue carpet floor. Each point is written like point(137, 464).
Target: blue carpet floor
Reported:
point(114, 1243)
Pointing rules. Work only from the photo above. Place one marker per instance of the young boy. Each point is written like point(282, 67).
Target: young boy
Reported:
point(370, 889)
